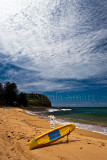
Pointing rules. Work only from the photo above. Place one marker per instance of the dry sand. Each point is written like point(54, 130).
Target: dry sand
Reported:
point(17, 128)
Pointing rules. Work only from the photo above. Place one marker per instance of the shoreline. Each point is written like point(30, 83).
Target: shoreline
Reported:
point(94, 127)
point(17, 128)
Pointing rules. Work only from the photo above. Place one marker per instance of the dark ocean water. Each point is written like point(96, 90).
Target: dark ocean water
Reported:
point(81, 114)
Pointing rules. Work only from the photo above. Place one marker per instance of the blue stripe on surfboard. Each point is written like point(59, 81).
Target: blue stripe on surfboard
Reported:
point(53, 135)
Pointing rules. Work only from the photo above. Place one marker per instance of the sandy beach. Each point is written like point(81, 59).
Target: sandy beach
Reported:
point(17, 128)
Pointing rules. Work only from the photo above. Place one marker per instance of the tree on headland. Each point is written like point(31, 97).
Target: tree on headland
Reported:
point(10, 93)
point(22, 99)
point(1, 94)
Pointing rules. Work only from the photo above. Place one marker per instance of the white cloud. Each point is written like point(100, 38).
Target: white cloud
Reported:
point(11, 7)
point(42, 85)
point(48, 37)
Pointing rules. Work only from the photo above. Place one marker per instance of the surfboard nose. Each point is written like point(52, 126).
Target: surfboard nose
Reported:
point(33, 144)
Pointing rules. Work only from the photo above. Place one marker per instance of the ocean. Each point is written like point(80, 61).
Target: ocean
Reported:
point(88, 118)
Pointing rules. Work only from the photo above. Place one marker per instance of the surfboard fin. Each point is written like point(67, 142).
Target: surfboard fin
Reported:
point(67, 136)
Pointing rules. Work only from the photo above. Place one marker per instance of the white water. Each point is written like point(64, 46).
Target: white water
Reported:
point(55, 110)
point(93, 128)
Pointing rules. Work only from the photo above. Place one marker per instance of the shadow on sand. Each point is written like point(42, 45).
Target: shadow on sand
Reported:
point(58, 143)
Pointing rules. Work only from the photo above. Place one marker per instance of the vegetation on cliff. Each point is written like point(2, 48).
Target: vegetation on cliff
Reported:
point(9, 96)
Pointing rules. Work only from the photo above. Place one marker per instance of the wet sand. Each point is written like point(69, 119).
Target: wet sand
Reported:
point(17, 128)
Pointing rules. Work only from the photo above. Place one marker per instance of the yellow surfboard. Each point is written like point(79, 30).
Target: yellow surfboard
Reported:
point(51, 136)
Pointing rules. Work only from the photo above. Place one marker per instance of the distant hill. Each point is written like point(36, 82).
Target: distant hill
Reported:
point(38, 100)
point(9, 96)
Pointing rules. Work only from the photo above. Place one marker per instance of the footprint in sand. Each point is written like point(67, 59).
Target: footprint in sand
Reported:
point(88, 143)
point(102, 144)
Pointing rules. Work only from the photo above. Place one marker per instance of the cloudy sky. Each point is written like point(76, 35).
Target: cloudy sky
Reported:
point(58, 48)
